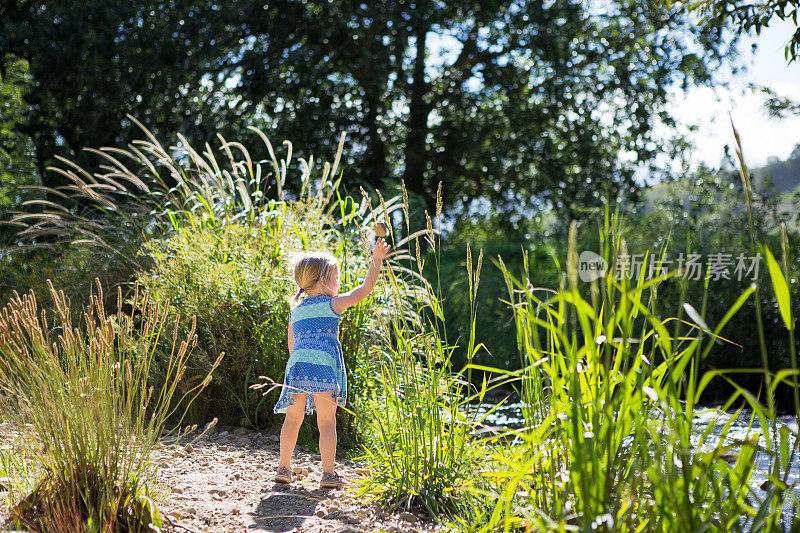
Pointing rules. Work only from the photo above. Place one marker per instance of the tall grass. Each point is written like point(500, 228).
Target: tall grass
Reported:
point(610, 393)
point(419, 431)
point(145, 188)
point(84, 402)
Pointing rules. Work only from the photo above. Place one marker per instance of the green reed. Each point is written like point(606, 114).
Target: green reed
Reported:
point(86, 411)
point(610, 393)
point(419, 428)
point(605, 424)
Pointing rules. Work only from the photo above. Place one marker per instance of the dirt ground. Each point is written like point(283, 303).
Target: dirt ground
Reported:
point(223, 482)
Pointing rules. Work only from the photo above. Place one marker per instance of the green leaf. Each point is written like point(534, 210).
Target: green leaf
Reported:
point(784, 447)
point(781, 289)
point(696, 318)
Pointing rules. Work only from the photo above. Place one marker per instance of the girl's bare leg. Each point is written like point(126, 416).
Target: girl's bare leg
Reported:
point(326, 421)
point(291, 426)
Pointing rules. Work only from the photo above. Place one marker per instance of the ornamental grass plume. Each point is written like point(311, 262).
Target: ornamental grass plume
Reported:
point(90, 414)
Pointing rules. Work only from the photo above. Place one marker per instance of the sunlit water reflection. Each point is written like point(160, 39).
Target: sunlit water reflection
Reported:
point(510, 416)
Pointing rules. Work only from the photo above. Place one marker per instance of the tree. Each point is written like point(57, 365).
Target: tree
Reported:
point(17, 168)
point(95, 61)
point(525, 104)
point(536, 105)
point(747, 16)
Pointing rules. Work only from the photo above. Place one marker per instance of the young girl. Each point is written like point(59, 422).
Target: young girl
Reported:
point(316, 364)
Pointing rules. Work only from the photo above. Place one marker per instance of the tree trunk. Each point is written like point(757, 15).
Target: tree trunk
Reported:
point(416, 155)
point(376, 170)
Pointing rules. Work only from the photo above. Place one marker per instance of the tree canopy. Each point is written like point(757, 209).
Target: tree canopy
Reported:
point(16, 150)
point(526, 104)
point(755, 16)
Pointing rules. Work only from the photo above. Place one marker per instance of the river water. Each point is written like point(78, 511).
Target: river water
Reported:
point(510, 415)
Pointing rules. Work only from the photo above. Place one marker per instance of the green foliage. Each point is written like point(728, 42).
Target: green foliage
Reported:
point(94, 62)
point(222, 257)
point(74, 266)
point(748, 16)
point(779, 106)
point(235, 283)
point(595, 363)
point(147, 190)
point(419, 444)
point(609, 390)
point(88, 416)
point(17, 157)
point(702, 214)
point(501, 99)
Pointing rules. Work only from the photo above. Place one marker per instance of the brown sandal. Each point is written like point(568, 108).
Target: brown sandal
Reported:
point(283, 475)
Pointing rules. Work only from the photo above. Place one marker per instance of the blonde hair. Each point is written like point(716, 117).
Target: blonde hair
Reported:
point(309, 269)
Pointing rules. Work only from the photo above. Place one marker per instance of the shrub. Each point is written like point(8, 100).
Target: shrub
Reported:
point(75, 266)
point(235, 280)
point(94, 416)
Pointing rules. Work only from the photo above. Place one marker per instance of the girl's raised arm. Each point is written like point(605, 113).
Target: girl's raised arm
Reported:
point(341, 302)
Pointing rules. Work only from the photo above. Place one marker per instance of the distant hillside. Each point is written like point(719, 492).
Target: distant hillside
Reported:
point(785, 175)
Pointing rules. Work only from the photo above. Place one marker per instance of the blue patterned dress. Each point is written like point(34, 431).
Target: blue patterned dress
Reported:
point(316, 363)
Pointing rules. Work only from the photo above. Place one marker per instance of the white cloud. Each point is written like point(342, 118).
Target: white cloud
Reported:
point(710, 110)
point(762, 136)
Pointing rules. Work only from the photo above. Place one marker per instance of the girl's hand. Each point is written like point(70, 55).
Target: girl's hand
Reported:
point(381, 250)
point(349, 299)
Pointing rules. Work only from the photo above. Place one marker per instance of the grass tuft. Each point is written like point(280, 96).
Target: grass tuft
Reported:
point(85, 406)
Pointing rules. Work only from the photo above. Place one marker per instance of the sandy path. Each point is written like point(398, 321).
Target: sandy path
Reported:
point(222, 482)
